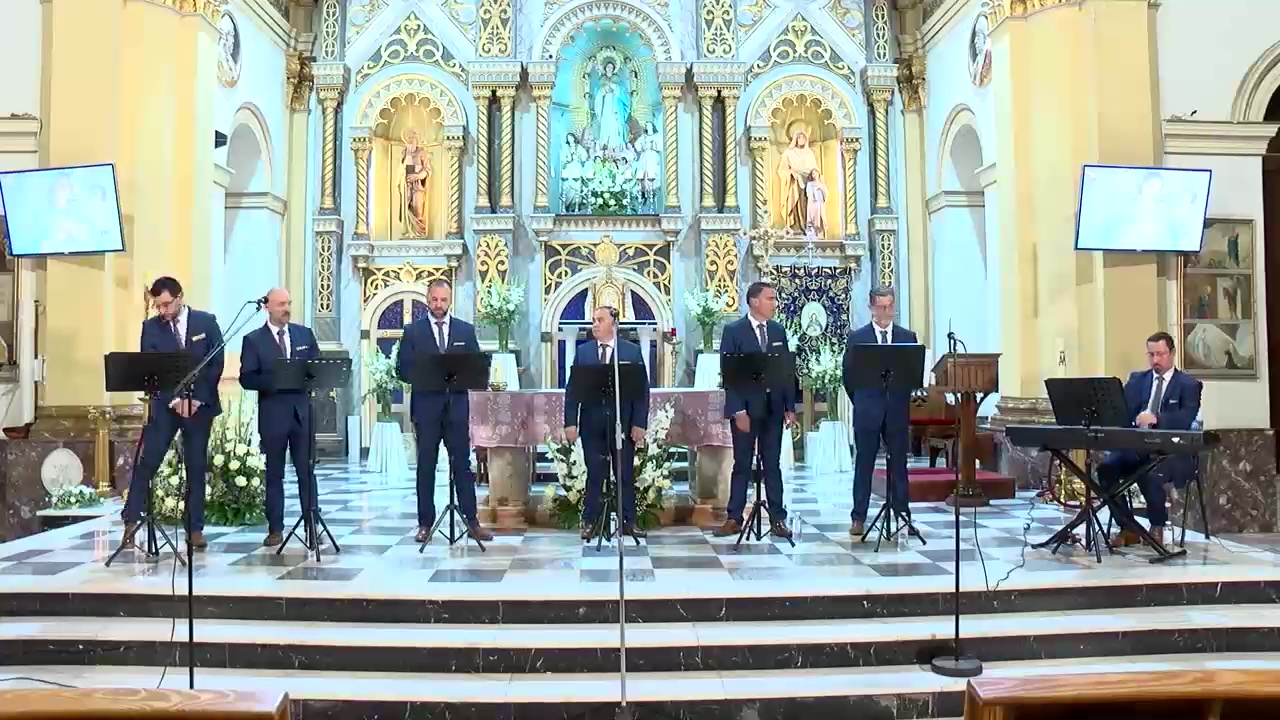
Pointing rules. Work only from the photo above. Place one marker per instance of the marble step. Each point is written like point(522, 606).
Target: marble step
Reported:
point(899, 692)
point(665, 647)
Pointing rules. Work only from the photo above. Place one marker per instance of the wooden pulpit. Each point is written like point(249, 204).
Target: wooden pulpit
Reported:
point(971, 377)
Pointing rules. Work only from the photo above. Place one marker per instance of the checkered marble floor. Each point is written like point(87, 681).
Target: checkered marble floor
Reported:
point(372, 519)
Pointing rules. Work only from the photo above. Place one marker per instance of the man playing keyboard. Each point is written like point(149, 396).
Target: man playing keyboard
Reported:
point(1163, 398)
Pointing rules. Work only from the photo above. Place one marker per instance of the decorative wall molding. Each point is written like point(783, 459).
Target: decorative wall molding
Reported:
point(772, 97)
point(363, 252)
point(1196, 137)
point(412, 42)
point(800, 43)
point(19, 134)
point(644, 20)
point(257, 201)
point(401, 85)
point(955, 199)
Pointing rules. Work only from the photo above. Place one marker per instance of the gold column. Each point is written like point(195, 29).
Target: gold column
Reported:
point(361, 146)
point(507, 101)
point(329, 97)
point(759, 190)
point(911, 87)
point(102, 417)
point(731, 148)
point(299, 86)
point(850, 146)
point(707, 96)
point(541, 99)
point(482, 95)
point(670, 155)
point(453, 150)
point(880, 98)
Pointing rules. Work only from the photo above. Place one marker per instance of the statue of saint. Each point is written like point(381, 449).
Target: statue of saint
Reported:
point(797, 162)
point(417, 174)
point(573, 169)
point(816, 191)
point(611, 110)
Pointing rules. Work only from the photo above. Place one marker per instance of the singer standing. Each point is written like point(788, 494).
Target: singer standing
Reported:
point(440, 332)
point(283, 415)
point(178, 328)
point(596, 417)
point(877, 416)
point(757, 421)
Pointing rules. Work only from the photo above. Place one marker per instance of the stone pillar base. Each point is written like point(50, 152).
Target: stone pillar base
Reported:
point(508, 504)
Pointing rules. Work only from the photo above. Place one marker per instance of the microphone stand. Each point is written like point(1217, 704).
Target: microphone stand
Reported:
point(956, 665)
point(183, 390)
point(624, 711)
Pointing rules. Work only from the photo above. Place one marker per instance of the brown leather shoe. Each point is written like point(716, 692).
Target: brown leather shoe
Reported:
point(730, 527)
point(586, 532)
point(1125, 538)
point(479, 532)
point(130, 532)
point(780, 530)
point(273, 539)
point(197, 541)
point(424, 534)
point(634, 531)
point(857, 529)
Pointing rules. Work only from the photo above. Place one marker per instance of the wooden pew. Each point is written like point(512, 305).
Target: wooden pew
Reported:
point(1162, 695)
point(122, 703)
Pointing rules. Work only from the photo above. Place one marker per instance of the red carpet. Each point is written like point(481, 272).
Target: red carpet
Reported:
point(936, 484)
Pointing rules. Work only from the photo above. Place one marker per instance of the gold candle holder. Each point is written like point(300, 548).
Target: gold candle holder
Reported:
point(102, 417)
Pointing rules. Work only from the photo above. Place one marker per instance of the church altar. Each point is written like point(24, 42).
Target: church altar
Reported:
point(509, 426)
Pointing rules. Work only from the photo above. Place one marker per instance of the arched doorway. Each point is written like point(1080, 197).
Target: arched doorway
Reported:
point(252, 226)
point(960, 290)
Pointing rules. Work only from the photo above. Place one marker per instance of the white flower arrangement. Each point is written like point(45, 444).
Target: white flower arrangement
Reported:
point(653, 470)
point(822, 371)
point(706, 307)
point(73, 496)
point(499, 305)
point(383, 380)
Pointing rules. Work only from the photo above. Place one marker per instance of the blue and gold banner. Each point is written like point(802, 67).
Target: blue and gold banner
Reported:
point(814, 302)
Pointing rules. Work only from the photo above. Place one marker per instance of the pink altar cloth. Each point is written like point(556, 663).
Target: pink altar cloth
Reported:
point(524, 418)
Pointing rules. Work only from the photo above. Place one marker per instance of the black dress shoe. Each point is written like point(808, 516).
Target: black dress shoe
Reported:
point(634, 531)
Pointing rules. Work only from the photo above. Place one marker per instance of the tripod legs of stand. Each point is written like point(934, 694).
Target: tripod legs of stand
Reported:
point(311, 520)
point(451, 512)
point(888, 515)
point(151, 551)
point(753, 526)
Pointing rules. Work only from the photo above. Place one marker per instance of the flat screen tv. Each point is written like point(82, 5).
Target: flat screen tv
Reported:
point(1142, 209)
point(62, 211)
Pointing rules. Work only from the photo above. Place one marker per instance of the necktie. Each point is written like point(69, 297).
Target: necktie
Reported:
point(604, 354)
point(284, 349)
point(177, 333)
point(440, 335)
point(764, 338)
point(1157, 396)
point(884, 337)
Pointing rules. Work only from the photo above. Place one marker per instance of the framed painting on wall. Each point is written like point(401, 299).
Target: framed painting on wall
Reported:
point(1216, 303)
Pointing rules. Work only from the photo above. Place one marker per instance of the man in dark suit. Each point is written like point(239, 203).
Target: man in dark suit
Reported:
point(282, 414)
point(878, 417)
point(1163, 398)
point(178, 328)
point(596, 418)
point(440, 416)
point(756, 421)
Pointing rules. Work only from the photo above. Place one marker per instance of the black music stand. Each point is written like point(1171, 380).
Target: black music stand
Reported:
point(151, 373)
point(891, 368)
point(449, 373)
point(755, 374)
point(1097, 402)
point(310, 376)
point(597, 383)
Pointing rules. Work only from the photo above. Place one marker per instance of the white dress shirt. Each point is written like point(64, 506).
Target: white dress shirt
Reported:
point(435, 333)
point(607, 346)
point(275, 337)
point(180, 322)
point(1167, 375)
point(755, 329)
point(886, 338)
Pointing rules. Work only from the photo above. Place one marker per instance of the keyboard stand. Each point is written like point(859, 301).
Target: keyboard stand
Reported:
point(1088, 514)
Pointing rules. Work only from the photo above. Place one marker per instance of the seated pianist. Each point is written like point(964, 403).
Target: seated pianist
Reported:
point(1162, 398)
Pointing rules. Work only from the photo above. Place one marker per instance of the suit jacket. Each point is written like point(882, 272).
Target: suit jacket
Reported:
point(588, 413)
point(739, 338)
point(258, 354)
point(203, 336)
point(871, 407)
point(1178, 411)
point(420, 339)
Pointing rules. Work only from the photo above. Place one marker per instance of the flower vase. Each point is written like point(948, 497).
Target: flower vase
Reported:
point(708, 338)
point(504, 338)
point(384, 408)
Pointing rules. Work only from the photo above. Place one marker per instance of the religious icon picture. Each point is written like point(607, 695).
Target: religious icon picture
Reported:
point(980, 50)
point(228, 50)
point(1216, 298)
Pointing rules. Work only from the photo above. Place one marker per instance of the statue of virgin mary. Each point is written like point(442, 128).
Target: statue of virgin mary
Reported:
point(611, 108)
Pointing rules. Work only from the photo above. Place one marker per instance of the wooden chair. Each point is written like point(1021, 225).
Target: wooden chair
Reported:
point(139, 704)
point(933, 421)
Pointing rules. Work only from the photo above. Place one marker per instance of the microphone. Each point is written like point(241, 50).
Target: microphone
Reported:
point(260, 302)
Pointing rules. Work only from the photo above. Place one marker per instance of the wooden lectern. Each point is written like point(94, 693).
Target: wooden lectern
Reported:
point(968, 375)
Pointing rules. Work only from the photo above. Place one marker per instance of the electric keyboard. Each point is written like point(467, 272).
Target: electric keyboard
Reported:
point(1058, 437)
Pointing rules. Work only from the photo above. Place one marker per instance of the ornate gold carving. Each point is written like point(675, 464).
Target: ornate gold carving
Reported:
point(886, 264)
point(707, 96)
point(329, 102)
point(752, 13)
point(759, 190)
point(931, 7)
point(911, 82)
point(493, 259)
point(412, 42)
point(102, 417)
point(463, 15)
point(298, 80)
point(880, 98)
point(376, 279)
point(721, 264)
point(800, 43)
point(453, 151)
point(623, 13)
point(495, 29)
point(507, 101)
point(880, 32)
point(361, 146)
point(801, 89)
point(326, 248)
point(210, 9)
point(719, 30)
point(730, 96)
point(541, 99)
point(360, 15)
point(1001, 9)
point(651, 260)
point(402, 87)
point(671, 95)
point(482, 96)
point(851, 146)
point(1021, 411)
point(849, 14)
point(330, 16)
